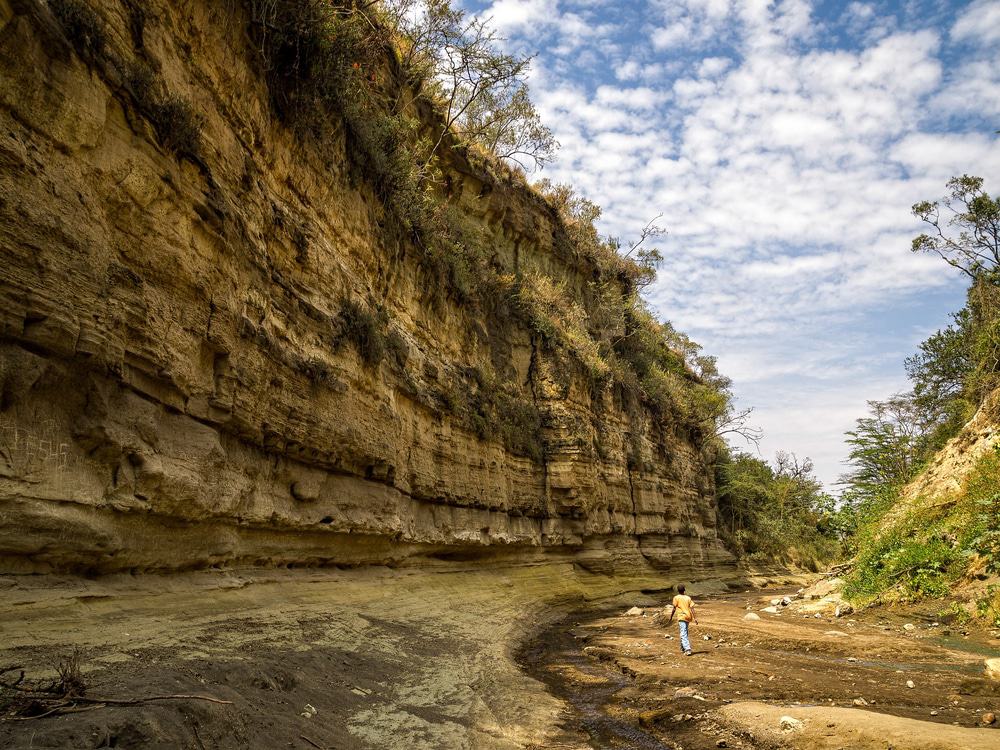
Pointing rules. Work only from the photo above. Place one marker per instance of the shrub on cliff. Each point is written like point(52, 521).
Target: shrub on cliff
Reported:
point(176, 123)
point(367, 329)
point(83, 27)
point(406, 84)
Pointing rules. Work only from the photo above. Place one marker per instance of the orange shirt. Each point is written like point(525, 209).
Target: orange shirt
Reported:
point(683, 606)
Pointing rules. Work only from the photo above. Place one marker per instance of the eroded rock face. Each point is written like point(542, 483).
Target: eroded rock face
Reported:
point(175, 389)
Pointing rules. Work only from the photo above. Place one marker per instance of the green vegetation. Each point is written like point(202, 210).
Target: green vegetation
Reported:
point(177, 125)
point(403, 85)
point(497, 411)
point(924, 551)
point(370, 331)
point(988, 606)
point(775, 513)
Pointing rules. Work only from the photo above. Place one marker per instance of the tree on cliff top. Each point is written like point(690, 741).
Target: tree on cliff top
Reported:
point(975, 249)
point(960, 364)
point(335, 50)
point(455, 60)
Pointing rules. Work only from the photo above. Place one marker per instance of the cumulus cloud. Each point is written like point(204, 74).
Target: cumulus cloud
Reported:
point(511, 16)
point(979, 23)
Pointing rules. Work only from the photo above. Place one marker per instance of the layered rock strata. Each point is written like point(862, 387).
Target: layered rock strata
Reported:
point(175, 387)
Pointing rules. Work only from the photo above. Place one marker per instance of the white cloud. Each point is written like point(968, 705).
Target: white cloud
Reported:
point(628, 70)
point(713, 66)
point(511, 16)
point(980, 23)
point(566, 29)
point(785, 170)
point(632, 98)
point(935, 154)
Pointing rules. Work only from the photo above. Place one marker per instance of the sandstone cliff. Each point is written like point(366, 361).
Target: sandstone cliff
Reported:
point(179, 381)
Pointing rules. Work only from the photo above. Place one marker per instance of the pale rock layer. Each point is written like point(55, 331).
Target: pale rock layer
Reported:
point(171, 391)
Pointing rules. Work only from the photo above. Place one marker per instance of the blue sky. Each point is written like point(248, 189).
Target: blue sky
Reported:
point(784, 144)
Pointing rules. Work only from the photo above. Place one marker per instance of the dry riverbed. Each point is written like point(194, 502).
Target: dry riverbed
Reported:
point(362, 659)
point(858, 681)
point(429, 659)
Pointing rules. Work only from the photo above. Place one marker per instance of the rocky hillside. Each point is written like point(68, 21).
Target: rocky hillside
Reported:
point(941, 536)
point(218, 346)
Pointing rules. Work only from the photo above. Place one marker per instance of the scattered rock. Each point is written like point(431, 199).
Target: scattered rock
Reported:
point(909, 626)
point(843, 610)
point(773, 610)
point(909, 684)
point(686, 692)
point(989, 718)
point(993, 669)
point(852, 658)
point(751, 616)
point(789, 724)
point(837, 633)
point(599, 652)
point(634, 612)
point(308, 711)
point(651, 718)
point(785, 601)
point(706, 637)
point(823, 588)
point(722, 743)
point(818, 616)
point(775, 602)
point(859, 702)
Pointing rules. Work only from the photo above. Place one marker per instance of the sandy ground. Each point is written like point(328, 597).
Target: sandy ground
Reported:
point(387, 658)
point(621, 675)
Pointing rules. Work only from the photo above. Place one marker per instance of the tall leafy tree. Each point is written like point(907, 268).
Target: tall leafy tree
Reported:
point(965, 227)
point(455, 59)
point(886, 447)
point(771, 509)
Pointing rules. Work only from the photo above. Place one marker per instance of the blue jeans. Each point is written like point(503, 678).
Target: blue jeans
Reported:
point(685, 643)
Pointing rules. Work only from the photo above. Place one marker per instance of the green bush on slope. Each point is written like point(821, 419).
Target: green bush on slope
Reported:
point(923, 553)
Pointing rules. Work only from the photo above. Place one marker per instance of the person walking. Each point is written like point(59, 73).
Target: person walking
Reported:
point(683, 607)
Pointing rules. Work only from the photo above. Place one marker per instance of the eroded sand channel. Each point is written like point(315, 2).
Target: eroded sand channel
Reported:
point(415, 659)
point(629, 686)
